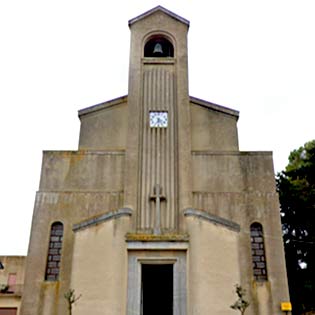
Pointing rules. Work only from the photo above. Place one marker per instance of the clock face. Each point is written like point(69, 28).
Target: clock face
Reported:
point(158, 119)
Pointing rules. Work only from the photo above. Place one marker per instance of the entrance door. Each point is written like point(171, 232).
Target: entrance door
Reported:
point(157, 289)
point(157, 278)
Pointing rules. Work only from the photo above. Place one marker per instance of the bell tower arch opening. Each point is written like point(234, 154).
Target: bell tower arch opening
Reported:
point(158, 46)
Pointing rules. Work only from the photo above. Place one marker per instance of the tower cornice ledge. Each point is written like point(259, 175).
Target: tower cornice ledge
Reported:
point(240, 153)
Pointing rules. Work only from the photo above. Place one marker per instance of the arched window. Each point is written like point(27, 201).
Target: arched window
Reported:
point(158, 46)
point(54, 252)
point(258, 252)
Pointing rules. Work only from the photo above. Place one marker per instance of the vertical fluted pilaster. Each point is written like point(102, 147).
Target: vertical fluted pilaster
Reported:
point(158, 149)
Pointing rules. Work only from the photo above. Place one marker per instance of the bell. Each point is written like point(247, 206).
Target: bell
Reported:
point(158, 49)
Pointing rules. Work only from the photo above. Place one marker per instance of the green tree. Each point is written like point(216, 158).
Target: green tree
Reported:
point(296, 188)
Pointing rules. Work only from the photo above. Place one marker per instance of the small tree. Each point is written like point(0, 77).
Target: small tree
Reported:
point(71, 298)
point(241, 304)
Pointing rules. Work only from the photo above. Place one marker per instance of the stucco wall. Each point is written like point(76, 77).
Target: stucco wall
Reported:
point(82, 171)
point(240, 186)
point(99, 268)
point(213, 268)
point(232, 171)
point(105, 129)
point(74, 186)
point(212, 130)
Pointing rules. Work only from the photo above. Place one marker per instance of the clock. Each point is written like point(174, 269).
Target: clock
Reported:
point(158, 119)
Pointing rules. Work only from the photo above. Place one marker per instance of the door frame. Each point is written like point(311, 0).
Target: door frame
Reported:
point(154, 253)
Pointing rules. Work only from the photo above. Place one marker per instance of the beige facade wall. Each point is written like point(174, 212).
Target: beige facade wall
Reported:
point(240, 186)
point(68, 208)
point(213, 268)
point(99, 268)
point(108, 122)
point(82, 171)
point(74, 187)
point(212, 130)
point(232, 171)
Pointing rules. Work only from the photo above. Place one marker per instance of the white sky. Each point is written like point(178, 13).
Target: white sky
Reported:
point(57, 57)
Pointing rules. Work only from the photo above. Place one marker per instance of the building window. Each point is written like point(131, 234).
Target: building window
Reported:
point(258, 252)
point(11, 282)
point(158, 46)
point(54, 252)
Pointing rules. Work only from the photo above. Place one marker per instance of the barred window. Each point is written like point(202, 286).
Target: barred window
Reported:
point(54, 252)
point(258, 252)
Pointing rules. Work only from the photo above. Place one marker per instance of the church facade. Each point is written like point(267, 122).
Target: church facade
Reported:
point(158, 212)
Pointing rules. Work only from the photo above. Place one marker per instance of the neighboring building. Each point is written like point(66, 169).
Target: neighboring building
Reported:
point(158, 212)
point(11, 284)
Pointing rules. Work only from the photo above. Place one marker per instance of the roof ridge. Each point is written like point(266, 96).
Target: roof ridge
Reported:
point(214, 106)
point(155, 9)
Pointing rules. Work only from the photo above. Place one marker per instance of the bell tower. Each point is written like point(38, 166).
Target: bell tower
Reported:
point(158, 151)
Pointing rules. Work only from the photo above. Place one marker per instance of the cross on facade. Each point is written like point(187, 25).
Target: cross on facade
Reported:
point(157, 196)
